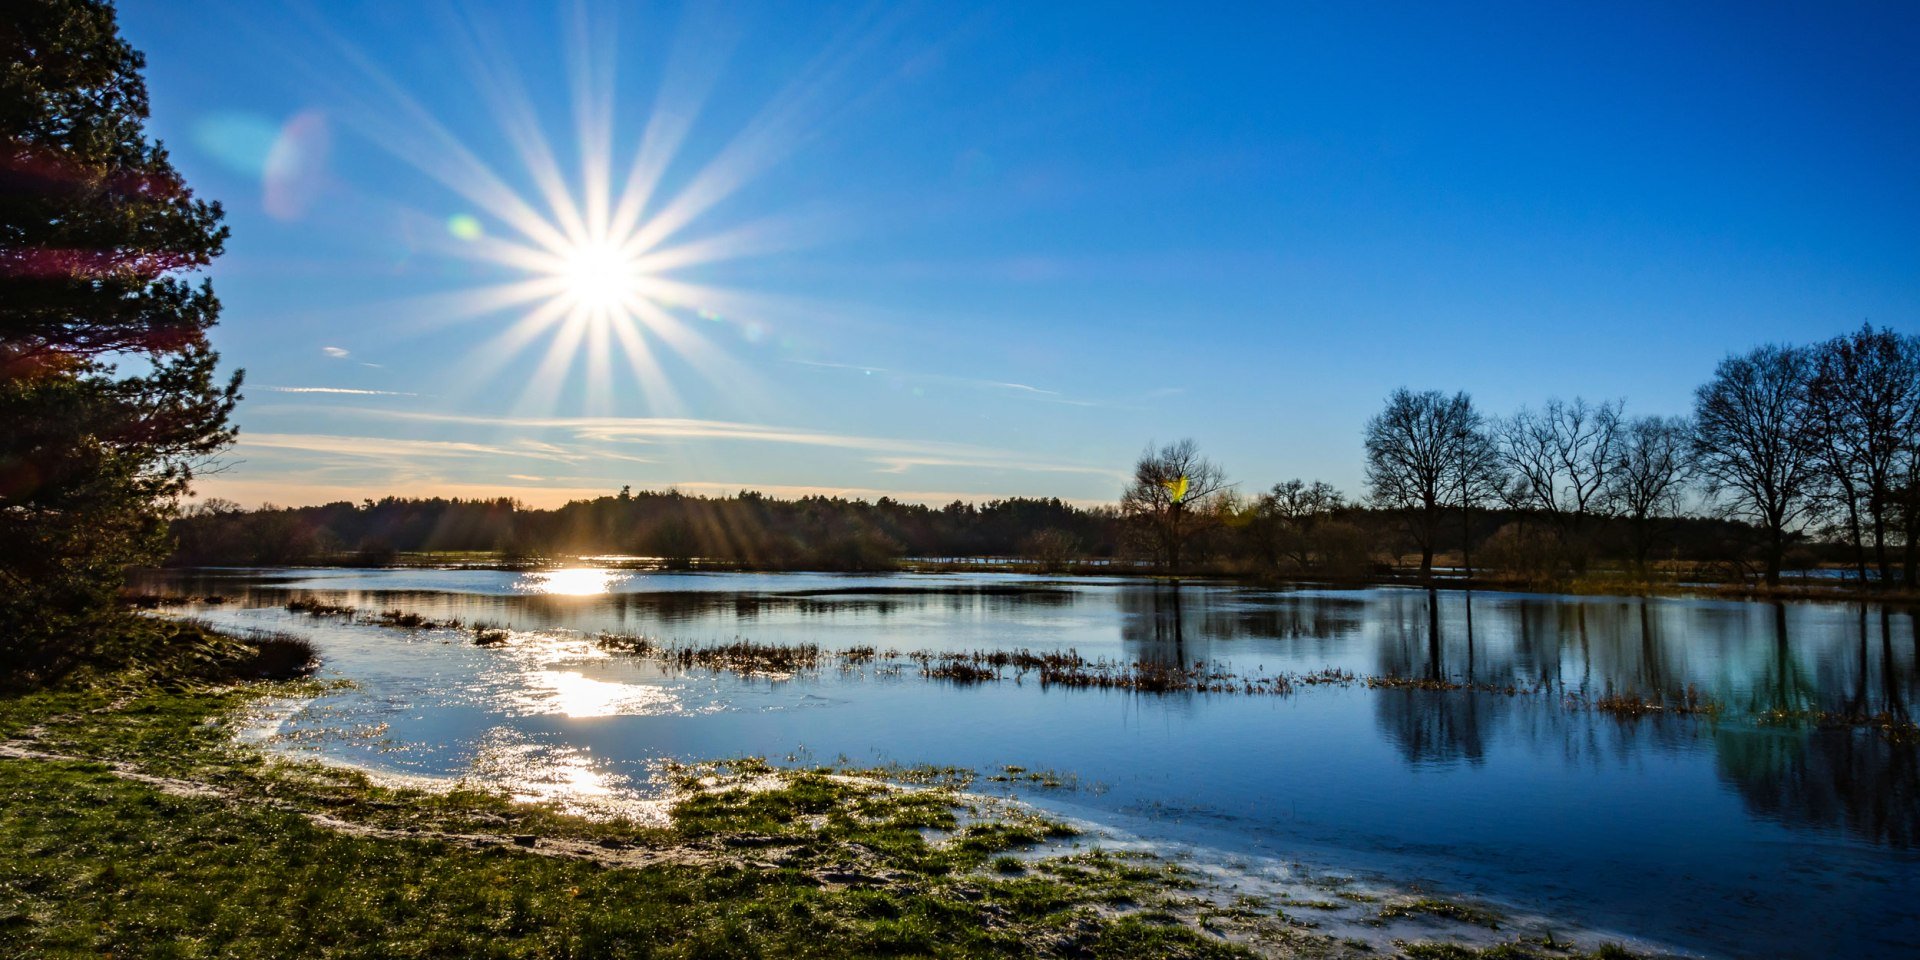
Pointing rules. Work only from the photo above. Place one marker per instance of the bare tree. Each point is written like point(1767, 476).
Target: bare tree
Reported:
point(1480, 477)
point(1750, 441)
point(1172, 497)
point(1649, 476)
point(1413, 460)
point(1284, 519)
point(1560, 459)
point(1863, 402)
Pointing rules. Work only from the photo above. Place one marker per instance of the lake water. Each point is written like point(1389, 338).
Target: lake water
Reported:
point(1723, 836)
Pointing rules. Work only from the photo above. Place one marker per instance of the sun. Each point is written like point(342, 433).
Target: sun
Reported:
point(611, 261)
point(600, 278)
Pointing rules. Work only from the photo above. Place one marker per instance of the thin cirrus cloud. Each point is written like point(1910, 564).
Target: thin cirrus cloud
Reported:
point(393, 448)
point(901, 464)
point(342, 391)
point(1037, 393)
point(323, 467)
point(892, 455)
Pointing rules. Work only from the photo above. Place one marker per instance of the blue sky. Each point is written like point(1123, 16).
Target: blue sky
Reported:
point(982, 250)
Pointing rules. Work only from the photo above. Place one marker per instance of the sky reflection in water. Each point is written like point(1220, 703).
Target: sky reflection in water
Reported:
point(1695, 832)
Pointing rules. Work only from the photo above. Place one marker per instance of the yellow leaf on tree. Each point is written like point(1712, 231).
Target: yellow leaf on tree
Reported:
point(1177, 488)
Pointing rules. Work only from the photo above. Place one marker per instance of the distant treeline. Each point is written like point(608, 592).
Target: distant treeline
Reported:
point(746, 530)
point(1267, 537)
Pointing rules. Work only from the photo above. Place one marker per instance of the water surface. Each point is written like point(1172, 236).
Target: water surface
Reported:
point(1725, 836)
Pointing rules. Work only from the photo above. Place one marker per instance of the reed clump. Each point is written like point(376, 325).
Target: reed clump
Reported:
point(150, 601)
point(1067, 668)
point(1327, 677)
point(1897, 728)
point(743, 657)
point(276, 656)
point(1691, 702)
point(404, 619)
point(1396, 682)
point(747, 657)
point(319, 608)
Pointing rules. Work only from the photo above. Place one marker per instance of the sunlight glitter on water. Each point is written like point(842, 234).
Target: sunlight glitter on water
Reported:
point(571, 582)
point(564, 776)
point(578, 696)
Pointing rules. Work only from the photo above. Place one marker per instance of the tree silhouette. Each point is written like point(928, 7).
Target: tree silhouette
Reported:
point(1750, 438)
point(1863, 404)
point(96, 229)
point(1172, 496)
point(1561, 459)
point(1416, 450)
point(1652, 467)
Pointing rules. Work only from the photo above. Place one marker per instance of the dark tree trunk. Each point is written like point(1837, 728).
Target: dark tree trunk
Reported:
point(1910, 552)
point(1466, 540)
point(1859, 541)
point(1879, 510)
point(1433, 634)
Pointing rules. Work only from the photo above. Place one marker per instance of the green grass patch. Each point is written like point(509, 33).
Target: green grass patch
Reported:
point(756, 862)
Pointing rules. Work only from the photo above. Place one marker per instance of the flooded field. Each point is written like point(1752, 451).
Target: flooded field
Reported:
point(1706, 774)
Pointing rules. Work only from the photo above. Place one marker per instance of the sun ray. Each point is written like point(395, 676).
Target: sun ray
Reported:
point(686, 81)
point(482, 366)
point(437, 310)
point(592, 76)
point(490, 66)
point(410, 131)
point(600, 362)
point(542, 392)
point(654, 385)
point(589, 247)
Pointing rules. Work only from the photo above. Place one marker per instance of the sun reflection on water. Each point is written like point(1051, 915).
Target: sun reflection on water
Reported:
point(579, 696)
point(571, 582)
point(562, 775)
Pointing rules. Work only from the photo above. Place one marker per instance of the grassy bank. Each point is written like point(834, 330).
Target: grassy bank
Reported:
point(132, 825)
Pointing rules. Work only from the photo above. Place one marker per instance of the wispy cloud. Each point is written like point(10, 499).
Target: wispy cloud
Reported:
point(932, 377)
point(338, 353)
point(894, 455)
point(396, 448)
point(1041, 394)
point(905, 463)
point(344, 391)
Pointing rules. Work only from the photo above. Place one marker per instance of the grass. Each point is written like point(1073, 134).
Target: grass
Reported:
point(132, 825)
point(815, 864)
point(1446, 909)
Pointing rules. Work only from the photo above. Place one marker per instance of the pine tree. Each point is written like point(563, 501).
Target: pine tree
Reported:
point(108, 393)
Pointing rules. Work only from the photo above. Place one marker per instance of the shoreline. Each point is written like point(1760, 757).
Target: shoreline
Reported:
point(838, 837)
